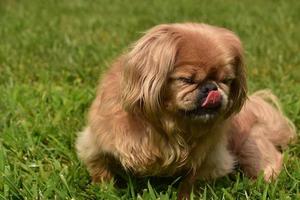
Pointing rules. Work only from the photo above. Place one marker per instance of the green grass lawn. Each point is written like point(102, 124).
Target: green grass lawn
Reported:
point(53, 52)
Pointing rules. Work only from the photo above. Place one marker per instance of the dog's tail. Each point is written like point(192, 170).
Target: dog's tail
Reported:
point(267, 107)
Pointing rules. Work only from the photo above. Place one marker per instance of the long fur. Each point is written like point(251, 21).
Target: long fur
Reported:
point(134, 123)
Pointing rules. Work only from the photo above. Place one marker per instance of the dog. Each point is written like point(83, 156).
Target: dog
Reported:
point(175, 104)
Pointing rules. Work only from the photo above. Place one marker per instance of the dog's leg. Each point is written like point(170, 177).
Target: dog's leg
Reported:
point(258, 154)
point(218, 163)
point(186, 186)
point(100, 170)
point(98, 163)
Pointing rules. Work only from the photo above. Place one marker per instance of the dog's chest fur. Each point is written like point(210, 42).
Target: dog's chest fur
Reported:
point(156, 155)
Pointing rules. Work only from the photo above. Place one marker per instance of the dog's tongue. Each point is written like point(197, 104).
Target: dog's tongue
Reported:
point(212, 100)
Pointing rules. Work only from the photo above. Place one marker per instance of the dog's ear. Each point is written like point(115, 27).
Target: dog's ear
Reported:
point(146, 68)
point(238, 90)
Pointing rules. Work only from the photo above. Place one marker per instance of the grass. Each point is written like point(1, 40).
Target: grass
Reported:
point(53, 52)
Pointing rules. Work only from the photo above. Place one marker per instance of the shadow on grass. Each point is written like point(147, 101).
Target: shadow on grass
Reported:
point(127, 186)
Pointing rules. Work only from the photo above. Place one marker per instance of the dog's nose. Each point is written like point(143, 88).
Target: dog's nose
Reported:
point(208, 87)
point(209, 97)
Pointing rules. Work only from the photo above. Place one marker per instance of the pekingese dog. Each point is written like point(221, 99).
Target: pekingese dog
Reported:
point(176, 105)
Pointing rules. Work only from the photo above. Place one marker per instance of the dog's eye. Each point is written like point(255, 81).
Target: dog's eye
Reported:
point(227, 81)
point(186, 80)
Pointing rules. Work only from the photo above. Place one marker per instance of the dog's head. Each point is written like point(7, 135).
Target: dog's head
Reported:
point(191, 71)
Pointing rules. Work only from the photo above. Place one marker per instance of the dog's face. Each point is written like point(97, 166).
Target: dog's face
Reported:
point(191, 71)
point(202, 80)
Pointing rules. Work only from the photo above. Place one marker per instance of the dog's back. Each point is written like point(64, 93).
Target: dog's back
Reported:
point(267, 110)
